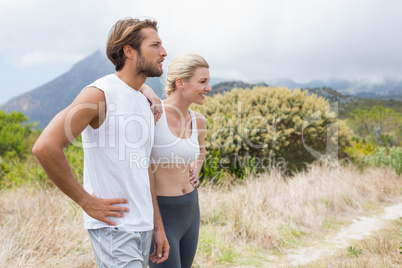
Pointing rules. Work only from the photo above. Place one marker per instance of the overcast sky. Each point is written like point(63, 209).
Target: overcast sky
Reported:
point(250, 40)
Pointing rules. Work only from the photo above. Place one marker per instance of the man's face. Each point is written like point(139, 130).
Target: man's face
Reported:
point(151, 54)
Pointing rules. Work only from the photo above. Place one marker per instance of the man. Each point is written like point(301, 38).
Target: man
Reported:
point(116, 122)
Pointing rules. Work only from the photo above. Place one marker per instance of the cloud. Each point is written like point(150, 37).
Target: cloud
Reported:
point(38, 58)
point(302, 40)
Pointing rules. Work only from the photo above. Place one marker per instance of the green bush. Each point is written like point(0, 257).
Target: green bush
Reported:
point(384, 156)
point(382, 126)
point(75, 156)
point(16, 140)
point(14, 133)
point(358, 150)
point(364, 153)
point(16, 171)
point(269, 127)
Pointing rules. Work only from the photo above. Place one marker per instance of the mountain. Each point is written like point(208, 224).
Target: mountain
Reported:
point(387, 89)
point(44, 102)
point(381, 95)
point(285, 82)
point(325, 92)
point(331, 95)
point(229, 85)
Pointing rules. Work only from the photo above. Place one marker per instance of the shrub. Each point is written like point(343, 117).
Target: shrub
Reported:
point(17, 165)
point(386, 157)
point(364, 153)
point(378, 124)
point(15, 172)
point(75, 157)
point(14, 133)
point(269, 127)
point(16, 140)
point(358, 150)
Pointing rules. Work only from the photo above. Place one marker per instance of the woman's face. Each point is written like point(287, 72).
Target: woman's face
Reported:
point(198, 86)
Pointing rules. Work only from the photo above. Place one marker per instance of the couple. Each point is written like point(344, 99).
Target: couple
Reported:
point(132, 163)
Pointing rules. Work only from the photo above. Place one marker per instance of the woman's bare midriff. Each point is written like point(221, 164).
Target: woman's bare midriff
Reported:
point(172, 179)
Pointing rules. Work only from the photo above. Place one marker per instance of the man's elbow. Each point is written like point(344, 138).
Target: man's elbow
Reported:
point(39, 149)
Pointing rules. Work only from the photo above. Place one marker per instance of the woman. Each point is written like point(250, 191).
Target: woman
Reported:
point(177, 157)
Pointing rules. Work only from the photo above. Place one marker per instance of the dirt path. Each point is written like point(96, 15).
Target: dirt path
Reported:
point(360, 228)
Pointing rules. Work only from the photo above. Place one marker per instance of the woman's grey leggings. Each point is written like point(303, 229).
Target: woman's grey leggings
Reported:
point(181, 219)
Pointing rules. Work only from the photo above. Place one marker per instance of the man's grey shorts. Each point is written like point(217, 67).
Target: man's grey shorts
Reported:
point(114, 247)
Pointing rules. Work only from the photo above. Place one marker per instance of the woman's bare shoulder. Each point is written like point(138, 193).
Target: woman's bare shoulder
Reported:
point(201, 120)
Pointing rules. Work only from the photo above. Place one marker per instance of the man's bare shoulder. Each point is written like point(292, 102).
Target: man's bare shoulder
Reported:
point(90, 95)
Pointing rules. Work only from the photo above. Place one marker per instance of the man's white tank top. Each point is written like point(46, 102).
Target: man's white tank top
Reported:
point(168, 148)
point(116, 155)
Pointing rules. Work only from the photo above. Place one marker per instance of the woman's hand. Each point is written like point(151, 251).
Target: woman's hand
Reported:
point(193, 178)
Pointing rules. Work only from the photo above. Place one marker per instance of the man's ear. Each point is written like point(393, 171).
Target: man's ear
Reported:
point(130, 52)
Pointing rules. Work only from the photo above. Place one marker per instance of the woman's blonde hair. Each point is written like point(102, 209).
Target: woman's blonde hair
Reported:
point(183, 66)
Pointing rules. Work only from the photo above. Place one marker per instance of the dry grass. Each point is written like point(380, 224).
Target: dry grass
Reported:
point(381, 249)
point(271, 214)
point(240, 223)
point(42, 228)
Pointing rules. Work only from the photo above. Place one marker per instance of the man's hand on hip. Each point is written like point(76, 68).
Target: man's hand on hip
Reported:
point(100, 209)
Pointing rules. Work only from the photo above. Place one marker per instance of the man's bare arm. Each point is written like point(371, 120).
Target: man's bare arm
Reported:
point(156, 103)
point(87, 108)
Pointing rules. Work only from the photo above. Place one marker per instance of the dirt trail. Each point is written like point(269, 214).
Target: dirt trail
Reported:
point(360, 228)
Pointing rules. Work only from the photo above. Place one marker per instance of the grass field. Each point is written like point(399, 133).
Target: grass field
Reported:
point(382, 249)
point(248, 224)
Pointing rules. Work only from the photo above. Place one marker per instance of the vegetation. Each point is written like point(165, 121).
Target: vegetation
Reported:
point(378, 138)
point(380, 125)
point(16, 139)
point(273, 214)
point(354, 251)
point(385, 157)
point(364, 154)
point(255, 223)
point(268, 127)
point(250, 131)
point(13, 134)
point(378, 250)
point(346, 108)
point(17, 165)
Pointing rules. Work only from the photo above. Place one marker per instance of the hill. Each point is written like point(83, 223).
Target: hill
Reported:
point(229, 85)
point(330, 94)
point(348, 103)
point(387, 89)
